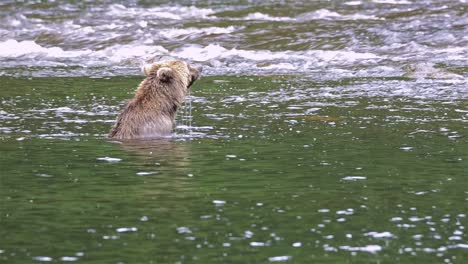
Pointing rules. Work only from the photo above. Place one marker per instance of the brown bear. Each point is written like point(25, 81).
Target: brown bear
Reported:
point(152, 111)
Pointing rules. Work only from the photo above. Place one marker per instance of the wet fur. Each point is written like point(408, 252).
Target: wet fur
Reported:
point(152, 111)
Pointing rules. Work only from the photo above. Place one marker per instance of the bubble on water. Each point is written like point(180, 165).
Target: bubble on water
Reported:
point(420, 193)
point(385, 234)
point(43, 258)
point(464, 246)
point(109, 159)
point(348, 211)
point(126, 229)
point(354, 178)
point(258, 244)
point(219, 202)
point(183, 230)
point(368, 248)
point(248, 234)
point(406, 148)
point(406, 226)
point(329, 248)
point(416, 219)
point(324, 210)
point(44, 175)
point(113, 237)
point(67, 258)
point(279, 258)
point(146, 173)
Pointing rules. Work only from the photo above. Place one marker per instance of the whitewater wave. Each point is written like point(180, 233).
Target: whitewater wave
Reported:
point(33, 54)
point(330, 15)
point(126, 59)
point(182, 32)
point(261, 16)
point(14, 49)
point(392, 2)
point(163, 12)
point(29, 53)
point(320, 14)
point(213, 51)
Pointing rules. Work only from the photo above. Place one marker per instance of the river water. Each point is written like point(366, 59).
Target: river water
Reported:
point(321, 132)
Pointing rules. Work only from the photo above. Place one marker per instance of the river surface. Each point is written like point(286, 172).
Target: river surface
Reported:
point(321, 132)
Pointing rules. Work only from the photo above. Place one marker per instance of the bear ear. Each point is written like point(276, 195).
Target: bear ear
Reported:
point(146, 69)
point(165, 74)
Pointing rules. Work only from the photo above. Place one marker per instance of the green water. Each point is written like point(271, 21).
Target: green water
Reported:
point(275, 168)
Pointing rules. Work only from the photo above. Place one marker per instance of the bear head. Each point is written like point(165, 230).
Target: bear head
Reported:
point(172, 71)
